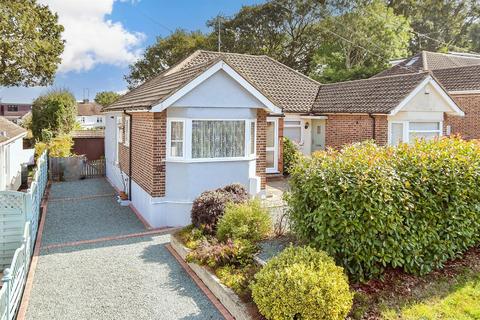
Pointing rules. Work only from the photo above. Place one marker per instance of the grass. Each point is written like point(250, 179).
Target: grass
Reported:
point(450, 293)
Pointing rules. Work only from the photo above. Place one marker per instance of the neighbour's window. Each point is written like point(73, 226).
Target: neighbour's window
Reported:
point(293, 130)
point(127, 131)
point(253, 138)
point(218, 139)
point(12, 108)
point(176, 138)
point(99, 119)
point(423, 130)
point(82, 119)
point(405, 131)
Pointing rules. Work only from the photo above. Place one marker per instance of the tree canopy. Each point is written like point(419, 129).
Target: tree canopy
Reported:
point(30, 43)
point(331, 40)
point(53, 115)
point(106, 98)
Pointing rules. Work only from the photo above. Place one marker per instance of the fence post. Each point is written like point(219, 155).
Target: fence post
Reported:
point(6, 280)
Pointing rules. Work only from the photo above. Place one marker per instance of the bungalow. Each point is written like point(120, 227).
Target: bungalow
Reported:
point(218, 118)
point(12, 154)
point(89, 115)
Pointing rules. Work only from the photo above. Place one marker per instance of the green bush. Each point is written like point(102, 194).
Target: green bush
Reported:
point(412, 206)
point(291, 153)
point(210, 206)
point(302, 283)
point(216, 254)
point(248, 221)
point(58, 147)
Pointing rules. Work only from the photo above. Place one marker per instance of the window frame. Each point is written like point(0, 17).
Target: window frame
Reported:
point(300, 126)
point(187, 145)
point(126, 131)
point(407, 130)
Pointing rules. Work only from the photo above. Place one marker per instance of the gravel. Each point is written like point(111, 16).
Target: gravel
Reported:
point(86, 219)
point(271, 247)
point(134, 278)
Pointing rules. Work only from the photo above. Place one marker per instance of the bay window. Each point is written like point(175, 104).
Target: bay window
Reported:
point(203, 140)
point(408, 131)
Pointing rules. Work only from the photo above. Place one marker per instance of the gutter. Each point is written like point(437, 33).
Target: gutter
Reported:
point(130, 147)
point(374, 127)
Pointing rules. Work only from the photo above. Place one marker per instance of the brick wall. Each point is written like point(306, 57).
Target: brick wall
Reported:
point(261, 146)
point(345, 129)
point(148, 132)
point(469, 126)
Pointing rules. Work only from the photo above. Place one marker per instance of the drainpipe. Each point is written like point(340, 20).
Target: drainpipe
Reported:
point(374, 127)
point(130, 147)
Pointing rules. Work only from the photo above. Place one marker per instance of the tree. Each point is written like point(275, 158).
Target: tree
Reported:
point(30, 43)
point(165, 53)
point(53, 114)
point(360, 42)
point(474, 35)
point(439, 25)
point(286, 30)
point(106, 98)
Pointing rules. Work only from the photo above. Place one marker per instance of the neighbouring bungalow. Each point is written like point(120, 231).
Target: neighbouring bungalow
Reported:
point(12, 154)
point(89, 115)
point(219, 118)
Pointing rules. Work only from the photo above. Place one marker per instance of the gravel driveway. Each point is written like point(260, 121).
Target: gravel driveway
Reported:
point(134, 278)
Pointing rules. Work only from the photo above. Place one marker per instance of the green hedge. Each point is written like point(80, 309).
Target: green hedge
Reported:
point(414, 206)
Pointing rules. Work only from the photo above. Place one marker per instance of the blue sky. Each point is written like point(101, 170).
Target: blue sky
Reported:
point(105, 36)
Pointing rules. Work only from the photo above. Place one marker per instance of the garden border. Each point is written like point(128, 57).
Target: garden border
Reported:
point(232, 303)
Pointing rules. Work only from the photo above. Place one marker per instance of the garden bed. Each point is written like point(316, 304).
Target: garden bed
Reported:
point(449, 293)
point(240, 310)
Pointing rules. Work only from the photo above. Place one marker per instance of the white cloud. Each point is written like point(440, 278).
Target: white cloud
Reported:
point(91, 38)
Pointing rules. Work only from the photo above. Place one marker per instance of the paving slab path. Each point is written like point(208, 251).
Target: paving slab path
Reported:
point(78, 277)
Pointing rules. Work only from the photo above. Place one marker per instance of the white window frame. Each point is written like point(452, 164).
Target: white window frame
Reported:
point(187, 144)
point(407, 131)
point(169, 139)
point(273, 169)
point(300, 125)
point(126, 131)
point(248, 143)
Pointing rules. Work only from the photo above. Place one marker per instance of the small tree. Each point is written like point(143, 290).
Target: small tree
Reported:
point(53, 114)
point(106, 98)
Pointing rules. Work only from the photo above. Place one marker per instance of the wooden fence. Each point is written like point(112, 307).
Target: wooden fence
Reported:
point(75, 168)
point(19, 217)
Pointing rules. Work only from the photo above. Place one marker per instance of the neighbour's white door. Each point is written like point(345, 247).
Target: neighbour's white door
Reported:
point(318, 135)
point(272, 145)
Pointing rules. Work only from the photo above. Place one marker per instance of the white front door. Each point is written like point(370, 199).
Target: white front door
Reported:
point(318, 135)
point(272, 145)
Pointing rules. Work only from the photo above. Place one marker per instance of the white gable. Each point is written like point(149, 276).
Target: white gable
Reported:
point(428, 97)
point(219, 90)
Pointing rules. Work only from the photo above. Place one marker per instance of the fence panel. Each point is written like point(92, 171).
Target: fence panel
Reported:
point(19, 217)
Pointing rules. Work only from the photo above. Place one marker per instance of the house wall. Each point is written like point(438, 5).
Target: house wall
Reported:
point(469, 125)
point(90, 122)
point(342, 129)
point(112, 169)
point(10, 169)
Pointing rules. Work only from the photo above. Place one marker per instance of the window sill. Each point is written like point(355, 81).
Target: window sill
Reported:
point(211, 160)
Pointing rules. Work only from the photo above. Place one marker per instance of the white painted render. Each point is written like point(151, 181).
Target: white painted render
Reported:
point(12, 156)
point(111, 156)
point(91, 122)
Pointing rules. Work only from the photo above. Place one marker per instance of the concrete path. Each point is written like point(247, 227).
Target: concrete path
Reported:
point(122, 278)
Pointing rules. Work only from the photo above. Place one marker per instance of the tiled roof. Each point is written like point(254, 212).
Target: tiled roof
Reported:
point(459, 78)
point(429, 61)
point(374, 95)
point(97, 133)
point(9, 130)
point(88, 109)
point(285, 87)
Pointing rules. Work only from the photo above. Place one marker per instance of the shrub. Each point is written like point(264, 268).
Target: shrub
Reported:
point(58, 147)
point(210, 206)
point(302, 283)
point(191, 236)
point(291, 153)
point(413, 206)
point(247, 221)
point(237, 278)
point(216, 254)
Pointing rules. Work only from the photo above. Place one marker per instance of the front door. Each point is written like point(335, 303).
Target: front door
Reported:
point(272, 145)
point(318, 135)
